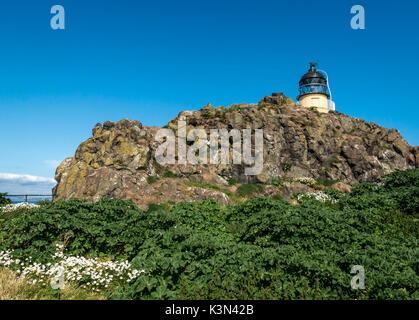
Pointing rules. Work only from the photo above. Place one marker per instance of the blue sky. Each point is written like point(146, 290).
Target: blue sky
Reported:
point(148, 60)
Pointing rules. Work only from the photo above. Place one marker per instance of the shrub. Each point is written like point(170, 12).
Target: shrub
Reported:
point(259, 249)
point(274, 251)
point(111, 227)
point(3, 200)
point(399, 190)
point(43, 202)
point(362, 188)
point(155, 207)
point(398, 178)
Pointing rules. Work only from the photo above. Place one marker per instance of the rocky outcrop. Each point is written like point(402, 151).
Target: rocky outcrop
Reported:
point(119, 161)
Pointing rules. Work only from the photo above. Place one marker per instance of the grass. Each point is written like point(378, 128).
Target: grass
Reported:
point(326, 182)
point(232, 182)
point(286, 167)
point(308, 123)
point(169, 174)
point(248, 189)
point(333, 159)
point(314, 109)
point(208, 114)
point(158, 166)
point(152, 179)
point(277, 197)
point(350, 131)
point(386, 146)
point(276, 182)
point(243, 191)
point(164, 172)
point(15, 288)
point(203, 185)
point(136, 136)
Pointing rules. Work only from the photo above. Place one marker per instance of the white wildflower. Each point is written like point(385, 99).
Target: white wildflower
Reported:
point(319, 196)
point(16, 206)
point(307, 181)
point(87, 272)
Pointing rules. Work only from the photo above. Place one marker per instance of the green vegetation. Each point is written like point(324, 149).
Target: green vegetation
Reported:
point(259, 249)
point(314, 109)
point(208, 114)
point(386, 147)
point(234, 107)
point(169, 174)
point(308, 123)
point(232, 196)
point(204, 185)
point(332, 160)
point(277, 197)
point(286, 167)
point(326, 182)
point(248, 189)
point(350, 131)
point(158, 166)
point(276, 182)
point(399, 192)
point(152, 179)
point(232, 182)
point(3, 200)
point(136, 136)
point(16, 288)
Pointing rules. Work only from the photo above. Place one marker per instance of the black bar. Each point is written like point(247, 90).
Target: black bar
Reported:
point(245, 310)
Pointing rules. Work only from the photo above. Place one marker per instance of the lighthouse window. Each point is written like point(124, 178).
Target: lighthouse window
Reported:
point(318, 88)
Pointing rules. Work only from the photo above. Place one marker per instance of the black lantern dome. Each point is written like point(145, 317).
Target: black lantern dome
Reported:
point(313, 82)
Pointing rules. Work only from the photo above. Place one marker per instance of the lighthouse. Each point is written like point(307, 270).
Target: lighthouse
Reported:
point(314, 90)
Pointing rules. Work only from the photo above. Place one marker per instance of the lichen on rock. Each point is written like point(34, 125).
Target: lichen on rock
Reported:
point(119, 159)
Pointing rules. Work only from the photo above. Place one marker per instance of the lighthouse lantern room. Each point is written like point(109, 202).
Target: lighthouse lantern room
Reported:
point(314, 90)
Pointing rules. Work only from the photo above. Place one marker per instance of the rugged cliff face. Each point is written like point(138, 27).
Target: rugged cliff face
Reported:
point(119, 160)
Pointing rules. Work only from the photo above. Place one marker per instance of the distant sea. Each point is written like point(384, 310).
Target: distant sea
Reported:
point(30, 199)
